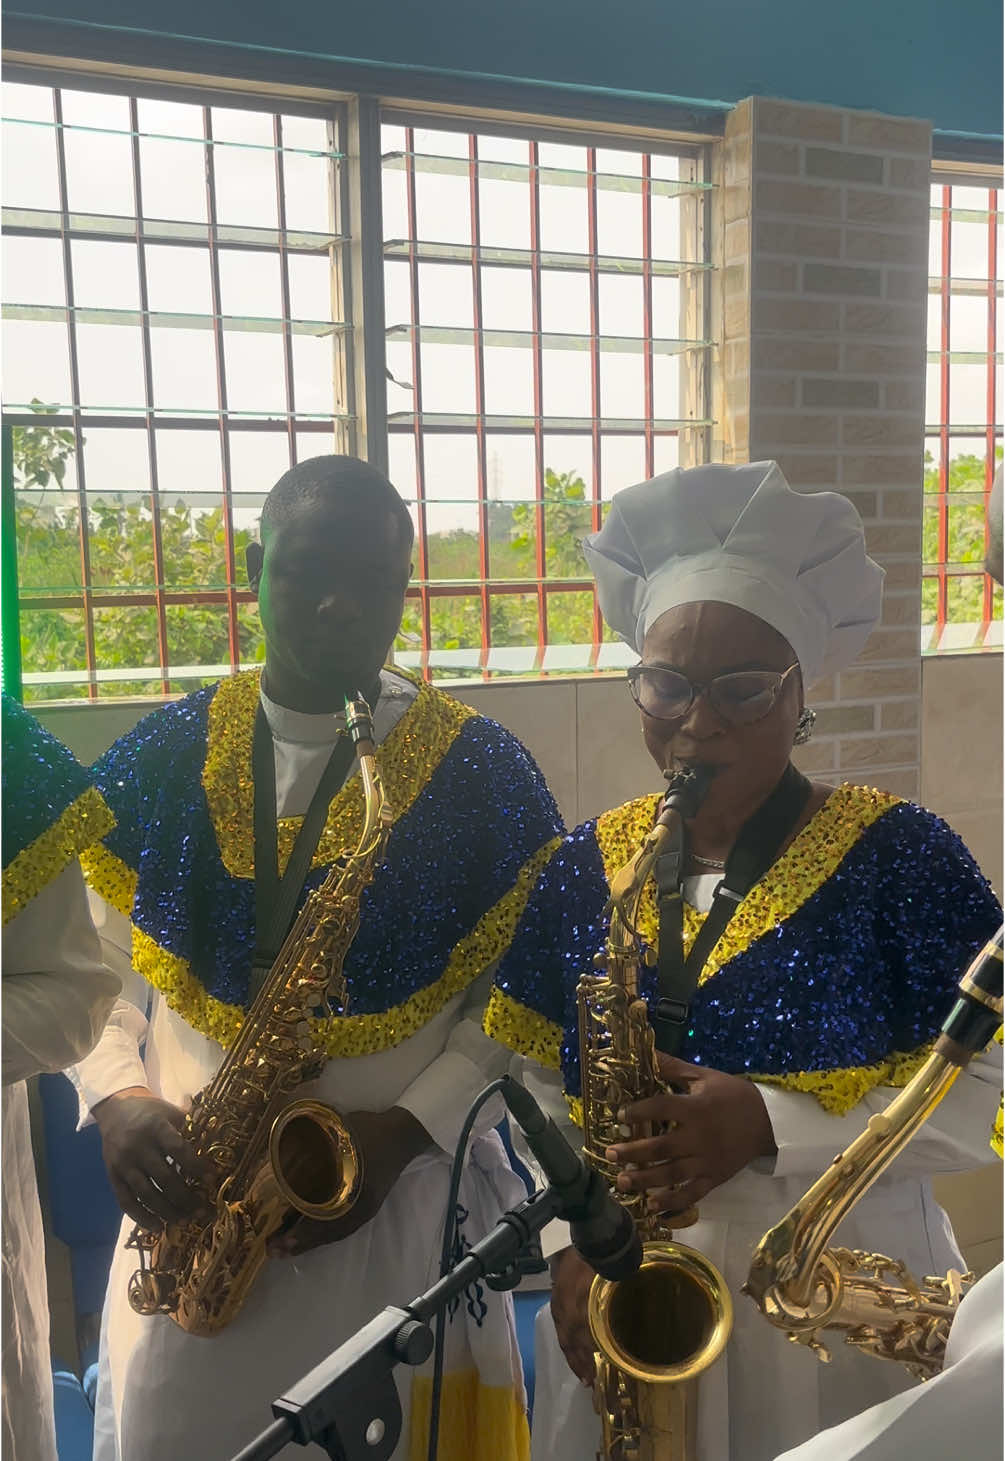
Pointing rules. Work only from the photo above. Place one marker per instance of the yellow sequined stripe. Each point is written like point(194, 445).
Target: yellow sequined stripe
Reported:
point(174, 978)
point(523, 1029)
point(407, 759)
point(487, 942)
point(839, 1090)
point(85, 821)
point(836, 1090)
point(110, 877)
point(801, 871)
point(347, 1035)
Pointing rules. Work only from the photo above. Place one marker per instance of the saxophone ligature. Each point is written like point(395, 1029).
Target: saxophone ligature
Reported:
point(803, 1287)
point(657, 1331)
point(271, 1158)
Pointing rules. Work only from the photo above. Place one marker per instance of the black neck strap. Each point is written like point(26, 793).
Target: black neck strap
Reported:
point(276, 898)
point(758, 844)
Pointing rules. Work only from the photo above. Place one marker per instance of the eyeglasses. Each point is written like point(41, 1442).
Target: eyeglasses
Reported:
point(740, 699)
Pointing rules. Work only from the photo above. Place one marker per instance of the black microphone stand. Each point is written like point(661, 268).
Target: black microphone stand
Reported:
point(349, 1403)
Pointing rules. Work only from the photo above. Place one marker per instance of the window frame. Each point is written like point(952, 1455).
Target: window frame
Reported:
point(357, 268)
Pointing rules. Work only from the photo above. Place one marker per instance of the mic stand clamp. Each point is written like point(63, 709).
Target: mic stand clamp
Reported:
point(348, 1404)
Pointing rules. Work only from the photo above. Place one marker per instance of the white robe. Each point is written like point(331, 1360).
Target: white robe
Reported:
point(960, 1410)
point(163, 1394)
point(56, 996)
point(766, 1394)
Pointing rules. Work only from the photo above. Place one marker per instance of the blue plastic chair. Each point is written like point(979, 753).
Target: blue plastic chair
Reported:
point(83, 1214)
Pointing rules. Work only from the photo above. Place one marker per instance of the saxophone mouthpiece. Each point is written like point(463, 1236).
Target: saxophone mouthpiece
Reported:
point(686, 790)
point(358, 720)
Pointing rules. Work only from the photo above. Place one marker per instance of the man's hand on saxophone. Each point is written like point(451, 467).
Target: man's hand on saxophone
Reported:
point(715, 1129)
point(571, 1277)
point(154, 1170)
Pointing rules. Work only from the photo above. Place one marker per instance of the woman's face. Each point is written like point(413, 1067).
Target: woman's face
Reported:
point(701, 641)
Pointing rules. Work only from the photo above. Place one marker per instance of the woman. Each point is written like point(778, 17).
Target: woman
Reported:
point(822, 990)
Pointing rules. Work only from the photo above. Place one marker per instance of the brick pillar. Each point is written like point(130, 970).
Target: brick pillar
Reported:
point(822, 318)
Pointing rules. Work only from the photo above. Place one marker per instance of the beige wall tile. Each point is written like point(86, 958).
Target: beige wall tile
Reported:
point(613, 764)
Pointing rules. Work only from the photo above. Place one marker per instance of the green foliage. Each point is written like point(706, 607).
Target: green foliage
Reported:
point(965, 538)
point(121, 549)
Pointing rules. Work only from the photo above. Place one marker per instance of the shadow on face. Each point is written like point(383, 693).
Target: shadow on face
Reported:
point(704, 640)
point(331, 588)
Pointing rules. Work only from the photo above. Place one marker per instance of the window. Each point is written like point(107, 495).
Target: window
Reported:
point(172, 343)
point(961, 605)
point(545, 347)
point(178, 332)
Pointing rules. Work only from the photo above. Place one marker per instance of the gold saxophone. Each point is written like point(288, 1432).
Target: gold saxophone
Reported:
point(272, 1159)
point(802, 1286)
point(658, 1330)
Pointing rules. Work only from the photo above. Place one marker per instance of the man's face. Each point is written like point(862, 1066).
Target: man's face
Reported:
point(332, 592)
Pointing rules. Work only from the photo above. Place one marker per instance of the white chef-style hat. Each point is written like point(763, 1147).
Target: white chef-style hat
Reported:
point(742, 536)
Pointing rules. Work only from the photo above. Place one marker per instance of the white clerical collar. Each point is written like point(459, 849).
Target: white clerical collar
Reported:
point(324, 729)
point(298, 725)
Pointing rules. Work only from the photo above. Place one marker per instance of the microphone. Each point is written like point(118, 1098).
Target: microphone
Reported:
point(602, 1230)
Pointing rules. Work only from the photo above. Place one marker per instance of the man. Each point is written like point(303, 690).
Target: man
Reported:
point(964, 1402)
point(56, 997)
point(471, 814)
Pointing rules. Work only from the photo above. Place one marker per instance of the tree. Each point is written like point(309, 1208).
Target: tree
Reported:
point(965, 538)
point(121, 547)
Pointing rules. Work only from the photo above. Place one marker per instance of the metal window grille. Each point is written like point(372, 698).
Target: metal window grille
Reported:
point(961, 604)
point(172, 338)
point(178, 332)
point(546, 346)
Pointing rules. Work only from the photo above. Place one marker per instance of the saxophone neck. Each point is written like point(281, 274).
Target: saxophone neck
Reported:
point(787, 1257)
point(666, 841)
point(377, 815)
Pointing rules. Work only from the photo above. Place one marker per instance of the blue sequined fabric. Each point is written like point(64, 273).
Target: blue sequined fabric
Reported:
point(866, 966)
point(41, 779)
point(483, 812)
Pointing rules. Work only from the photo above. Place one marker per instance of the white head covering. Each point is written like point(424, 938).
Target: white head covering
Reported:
point(741, 536)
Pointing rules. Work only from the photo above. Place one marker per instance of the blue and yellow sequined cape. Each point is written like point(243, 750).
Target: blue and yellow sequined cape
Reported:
point(474, 825)
point(51, 812)
point(832, 977)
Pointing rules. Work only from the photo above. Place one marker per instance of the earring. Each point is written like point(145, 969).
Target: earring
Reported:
point(804, 726)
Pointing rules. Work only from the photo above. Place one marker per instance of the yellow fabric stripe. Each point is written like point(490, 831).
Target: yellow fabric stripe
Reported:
point(487, 942)
point(998, 1130)
point(839, 1090)
point(110, 877)
point(347, 1035)
point(85, 821)
point(477, 1422)
point(407, 759)
point(523, 1029)
point(836, 1090)
point(812, 858)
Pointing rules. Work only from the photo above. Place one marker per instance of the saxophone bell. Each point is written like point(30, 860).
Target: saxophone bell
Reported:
point(317, 1167)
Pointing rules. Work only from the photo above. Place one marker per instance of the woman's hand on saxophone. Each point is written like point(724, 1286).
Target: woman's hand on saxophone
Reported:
point(718, 1127)
point(388, 1141)
point(155, 1172)
point(571, 1277)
